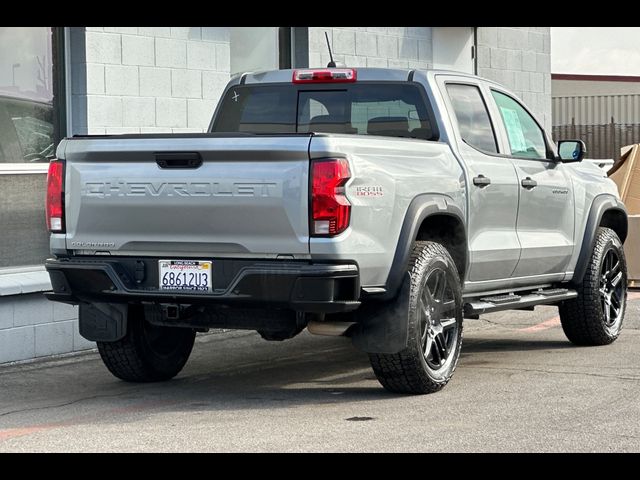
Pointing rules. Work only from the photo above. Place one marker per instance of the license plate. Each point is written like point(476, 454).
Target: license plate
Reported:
point(190, 275)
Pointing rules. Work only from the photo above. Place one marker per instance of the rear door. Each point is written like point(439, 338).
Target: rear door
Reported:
point(494, 248)
point(194, 195)
point(546, 201)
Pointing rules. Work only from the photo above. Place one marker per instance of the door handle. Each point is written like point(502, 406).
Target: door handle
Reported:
point(178, 159)
point(528, 183)
point(481, 181)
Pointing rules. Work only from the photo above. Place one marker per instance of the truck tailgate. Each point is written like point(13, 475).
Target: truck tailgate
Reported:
point(133, 195)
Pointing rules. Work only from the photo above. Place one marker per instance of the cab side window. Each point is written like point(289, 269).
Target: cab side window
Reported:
point(526, 138)
point(474, 122)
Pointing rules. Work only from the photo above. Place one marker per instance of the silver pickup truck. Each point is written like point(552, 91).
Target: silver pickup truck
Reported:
point(384, 205)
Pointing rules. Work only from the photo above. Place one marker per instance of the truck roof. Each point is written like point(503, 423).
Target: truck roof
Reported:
point(366, 74)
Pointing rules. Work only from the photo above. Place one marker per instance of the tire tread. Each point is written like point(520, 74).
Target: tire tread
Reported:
point(129, 360)
point(403, 372)
point(581, 317)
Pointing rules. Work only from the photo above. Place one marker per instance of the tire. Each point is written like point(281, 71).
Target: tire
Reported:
point(147, 353)
point(434, 326)
point(595, 317)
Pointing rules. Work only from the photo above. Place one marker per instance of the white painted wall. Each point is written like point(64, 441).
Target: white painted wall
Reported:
point(452, 47)
point(254, 49)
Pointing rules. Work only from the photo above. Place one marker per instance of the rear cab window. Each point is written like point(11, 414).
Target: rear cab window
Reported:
point(391, 109)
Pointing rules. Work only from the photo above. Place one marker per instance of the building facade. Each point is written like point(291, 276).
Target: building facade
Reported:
point(595, 99)
point(61, 81)
point(601, 110)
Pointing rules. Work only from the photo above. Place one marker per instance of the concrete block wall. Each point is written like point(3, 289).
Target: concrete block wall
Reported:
point(386, 47)
point(31, 326)
point(520, 59)
point(147, 79)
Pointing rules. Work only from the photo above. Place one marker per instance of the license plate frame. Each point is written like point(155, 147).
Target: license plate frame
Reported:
point(194, 276)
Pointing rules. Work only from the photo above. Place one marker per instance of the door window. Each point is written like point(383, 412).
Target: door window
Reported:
point(526, 138)
point(474, 122)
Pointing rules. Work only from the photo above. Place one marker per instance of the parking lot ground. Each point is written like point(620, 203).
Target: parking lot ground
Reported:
point(519, 386)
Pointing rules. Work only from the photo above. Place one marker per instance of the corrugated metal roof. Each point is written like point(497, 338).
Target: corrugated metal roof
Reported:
point(596, 110)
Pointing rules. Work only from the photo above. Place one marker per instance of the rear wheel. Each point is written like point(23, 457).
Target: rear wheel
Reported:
point(147, 353)
point(595, 316)
point(435, 326)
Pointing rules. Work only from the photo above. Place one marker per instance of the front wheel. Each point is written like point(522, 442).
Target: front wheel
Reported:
point(147, 353)
point(595, 316)
point(435, 326)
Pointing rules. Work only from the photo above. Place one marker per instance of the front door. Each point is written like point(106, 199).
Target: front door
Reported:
point(546, 204)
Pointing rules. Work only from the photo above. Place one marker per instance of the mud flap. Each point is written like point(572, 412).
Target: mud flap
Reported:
point(103, 322)
point(383, 327)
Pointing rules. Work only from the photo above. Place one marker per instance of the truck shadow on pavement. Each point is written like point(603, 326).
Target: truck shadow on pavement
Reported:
point(228, 373)
point(244, 372)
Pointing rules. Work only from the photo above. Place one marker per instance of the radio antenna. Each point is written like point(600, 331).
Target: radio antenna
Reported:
point(331, 64)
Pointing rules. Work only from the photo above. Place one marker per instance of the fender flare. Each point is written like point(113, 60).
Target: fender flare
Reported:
point(382, 323)
point(420, 208)
point(600, 205)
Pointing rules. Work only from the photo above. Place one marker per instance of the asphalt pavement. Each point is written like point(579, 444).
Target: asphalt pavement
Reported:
point(520, 386)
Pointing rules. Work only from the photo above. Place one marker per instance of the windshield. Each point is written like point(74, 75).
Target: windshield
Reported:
point(366, 108)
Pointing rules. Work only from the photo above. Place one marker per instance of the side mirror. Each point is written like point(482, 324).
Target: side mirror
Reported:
point(571, 150)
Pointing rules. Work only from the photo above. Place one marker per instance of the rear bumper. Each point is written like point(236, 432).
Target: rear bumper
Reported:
point(301, 286)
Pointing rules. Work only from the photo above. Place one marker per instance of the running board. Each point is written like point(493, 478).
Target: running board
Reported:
point(510, 302)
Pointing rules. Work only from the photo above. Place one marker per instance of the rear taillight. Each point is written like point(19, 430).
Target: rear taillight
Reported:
point(330, 209)
point(325, 75)
point(55, 197)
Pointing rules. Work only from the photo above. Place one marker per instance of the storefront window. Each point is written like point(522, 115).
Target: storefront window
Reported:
point(26, 94)
point(26, 137)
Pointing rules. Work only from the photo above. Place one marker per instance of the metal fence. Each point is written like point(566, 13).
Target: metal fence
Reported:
point(603, 141)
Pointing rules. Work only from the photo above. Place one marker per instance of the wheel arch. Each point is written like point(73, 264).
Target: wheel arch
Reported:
point(448, 230)
point(616, 220)
point(606, 211)
point(429, 217)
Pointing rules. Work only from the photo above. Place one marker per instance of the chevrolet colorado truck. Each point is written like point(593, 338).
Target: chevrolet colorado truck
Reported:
point(384, 205)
